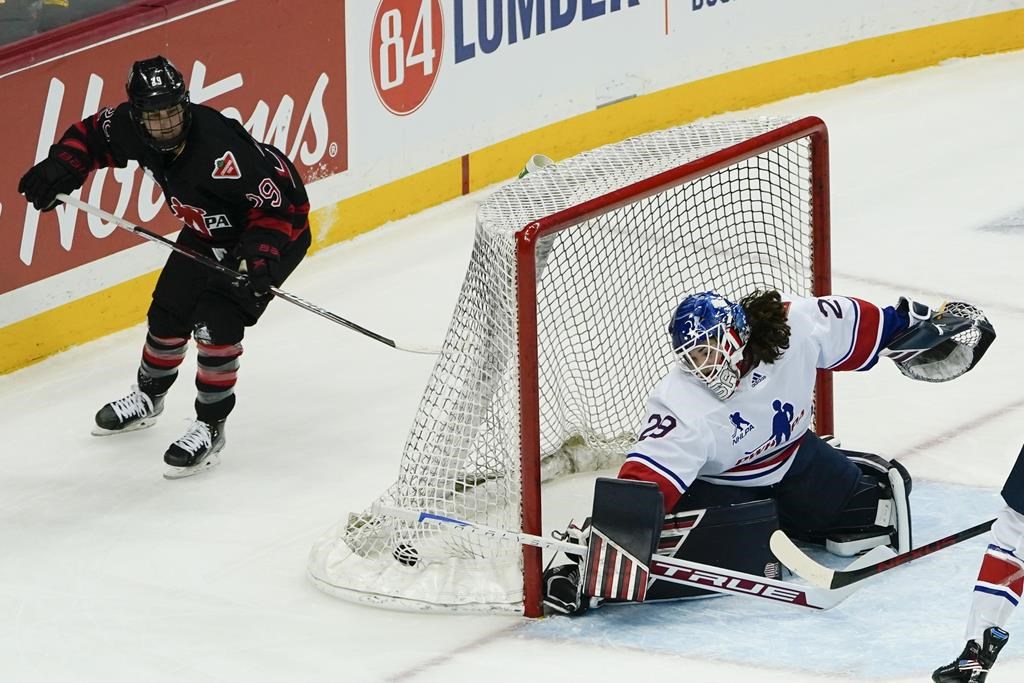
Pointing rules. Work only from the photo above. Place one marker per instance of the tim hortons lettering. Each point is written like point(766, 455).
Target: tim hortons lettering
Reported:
point(276, 129)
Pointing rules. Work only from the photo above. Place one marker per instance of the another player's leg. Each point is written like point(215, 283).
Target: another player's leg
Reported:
point(169, 321)
point(974, 663)
point(166, 342)
point(222, 312)
point(997, 591)
point(218, 335)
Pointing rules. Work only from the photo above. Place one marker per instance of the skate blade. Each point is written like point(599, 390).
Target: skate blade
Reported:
point(144, 423)
point(206, 465)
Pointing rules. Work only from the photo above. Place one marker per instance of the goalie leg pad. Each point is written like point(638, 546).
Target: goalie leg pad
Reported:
point(621, 536)
point(817, 488)
point(624, 534)
point(878, 511)
point(846, 500)
point(729, 536)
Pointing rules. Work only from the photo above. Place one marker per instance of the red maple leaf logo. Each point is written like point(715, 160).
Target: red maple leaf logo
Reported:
point(192, 216)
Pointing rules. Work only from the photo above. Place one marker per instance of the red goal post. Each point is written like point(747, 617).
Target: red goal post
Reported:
point(559, 334)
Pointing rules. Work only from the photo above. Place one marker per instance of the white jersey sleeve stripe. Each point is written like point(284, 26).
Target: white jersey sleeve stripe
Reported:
point(660, 469)
point(853, 339)
point(866, 335)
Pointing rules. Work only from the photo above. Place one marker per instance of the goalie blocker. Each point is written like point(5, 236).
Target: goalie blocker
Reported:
point(628, 527)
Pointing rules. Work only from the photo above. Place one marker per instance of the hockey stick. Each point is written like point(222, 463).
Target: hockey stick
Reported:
point(671, 569)
point(477, 529)
point(239, 277)
point(819, 575)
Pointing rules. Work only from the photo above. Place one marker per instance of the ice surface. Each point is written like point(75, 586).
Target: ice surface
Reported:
point(110, 573)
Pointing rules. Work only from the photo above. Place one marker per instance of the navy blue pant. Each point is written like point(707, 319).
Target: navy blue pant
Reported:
point(811, 497)
point(1013, 489)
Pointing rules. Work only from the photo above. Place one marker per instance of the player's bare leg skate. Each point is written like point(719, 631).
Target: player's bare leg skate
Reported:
point(196, 451)
point(137, 410)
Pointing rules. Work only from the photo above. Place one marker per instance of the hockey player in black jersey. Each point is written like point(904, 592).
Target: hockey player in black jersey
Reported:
point(239, 201)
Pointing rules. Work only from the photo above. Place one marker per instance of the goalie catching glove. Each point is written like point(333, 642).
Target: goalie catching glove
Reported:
point(940, 345)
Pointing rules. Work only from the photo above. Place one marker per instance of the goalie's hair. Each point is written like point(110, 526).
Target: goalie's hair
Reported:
point(769, 328)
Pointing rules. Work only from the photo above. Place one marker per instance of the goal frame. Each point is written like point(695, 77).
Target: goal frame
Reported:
point(527, 238)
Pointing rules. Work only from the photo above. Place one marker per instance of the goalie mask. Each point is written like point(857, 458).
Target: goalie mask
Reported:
point(943, 345)
point(708, 335)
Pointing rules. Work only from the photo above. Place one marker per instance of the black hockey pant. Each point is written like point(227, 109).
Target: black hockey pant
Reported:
point(193, 300)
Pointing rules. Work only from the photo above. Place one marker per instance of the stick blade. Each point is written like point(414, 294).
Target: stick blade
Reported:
point(798, 561)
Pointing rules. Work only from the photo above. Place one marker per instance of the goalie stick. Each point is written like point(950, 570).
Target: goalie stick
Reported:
point(717, 579)
point(239, 277)
point(823, 577)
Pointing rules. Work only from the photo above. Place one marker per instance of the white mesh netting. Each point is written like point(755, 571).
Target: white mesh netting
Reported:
point(605, 290)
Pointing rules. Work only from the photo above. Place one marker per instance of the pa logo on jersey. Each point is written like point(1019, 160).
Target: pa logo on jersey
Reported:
point(226, 167)
point(197, 219)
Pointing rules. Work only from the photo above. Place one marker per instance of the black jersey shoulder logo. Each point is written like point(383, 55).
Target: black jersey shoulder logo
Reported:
point(226, 167)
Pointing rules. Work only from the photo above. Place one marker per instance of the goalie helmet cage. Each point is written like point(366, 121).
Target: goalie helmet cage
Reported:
point(559, 334)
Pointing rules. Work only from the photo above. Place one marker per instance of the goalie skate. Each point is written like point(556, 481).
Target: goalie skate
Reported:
point(137, 410)
point(195, 452)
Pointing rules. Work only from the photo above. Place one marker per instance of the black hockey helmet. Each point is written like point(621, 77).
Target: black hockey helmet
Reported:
point(159, 103)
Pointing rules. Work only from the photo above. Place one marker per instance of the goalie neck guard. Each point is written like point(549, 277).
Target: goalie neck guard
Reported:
point(708, 334)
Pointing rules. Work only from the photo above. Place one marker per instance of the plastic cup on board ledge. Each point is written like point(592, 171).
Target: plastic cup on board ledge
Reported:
point(534, 164)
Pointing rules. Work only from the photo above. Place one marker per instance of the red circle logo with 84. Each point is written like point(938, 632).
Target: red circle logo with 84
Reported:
point(405, 52)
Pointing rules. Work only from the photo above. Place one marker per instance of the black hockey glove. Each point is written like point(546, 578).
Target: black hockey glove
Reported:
point(46, 179)
point(260, 255)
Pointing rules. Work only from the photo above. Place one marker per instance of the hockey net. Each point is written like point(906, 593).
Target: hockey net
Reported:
point(559, 334)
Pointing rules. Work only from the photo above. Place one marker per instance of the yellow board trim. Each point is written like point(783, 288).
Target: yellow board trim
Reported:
point(364, 212)
point(757, 85)
point(94, 316)
point(97, 315)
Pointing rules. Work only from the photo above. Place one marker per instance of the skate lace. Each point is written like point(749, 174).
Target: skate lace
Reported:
point(134, 404)
point(197, 436)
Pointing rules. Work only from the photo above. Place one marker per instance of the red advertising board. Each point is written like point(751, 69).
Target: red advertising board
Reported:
point(277, 65)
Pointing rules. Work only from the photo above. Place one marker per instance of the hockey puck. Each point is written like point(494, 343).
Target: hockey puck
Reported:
point(407, 555)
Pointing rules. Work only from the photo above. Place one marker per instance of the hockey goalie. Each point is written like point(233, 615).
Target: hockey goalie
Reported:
point(726, 440)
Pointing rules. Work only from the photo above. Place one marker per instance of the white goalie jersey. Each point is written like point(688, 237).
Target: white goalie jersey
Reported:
point(751, 438)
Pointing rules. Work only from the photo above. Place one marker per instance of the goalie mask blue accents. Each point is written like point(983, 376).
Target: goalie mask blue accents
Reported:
point(708, 334)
